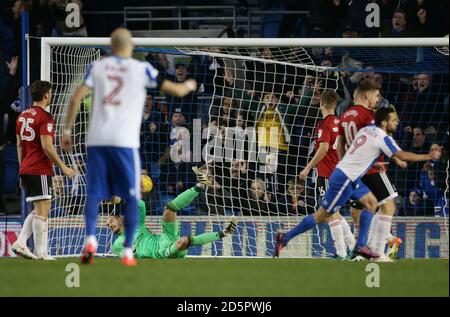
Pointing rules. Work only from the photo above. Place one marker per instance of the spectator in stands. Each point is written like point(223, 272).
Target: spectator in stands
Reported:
point(233, 177)
point(154, 134)
point(205, 68)
point(427, 16)
point(350, 78)
point(239, 120)
point(308, 109)
point(430, 188)
point(406, 180)
point(399, 26)
point(423, 82)
point(176, 174)
point(427, 198)
point(418, 204)
point(324, 17)
point(273, 119)
point(259, 201)
point(154, 111)
point(159, 61)
point(223, 111)
point(440, 167)
point(329, 75)
point(217, 199)
point(8, 97)
point(189, 103)
point(264, 77)
point(427, 108)
point(289, 21)
point(8, 89)
point(18, 7)
point(416, 140)
point(293, 202)
point(349, 32)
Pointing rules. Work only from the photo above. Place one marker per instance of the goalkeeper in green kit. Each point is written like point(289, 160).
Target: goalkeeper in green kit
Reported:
point(168, 244)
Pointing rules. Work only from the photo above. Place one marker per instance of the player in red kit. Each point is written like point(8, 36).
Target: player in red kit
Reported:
point(326, 157)
point(362, 114)
point(35, 131)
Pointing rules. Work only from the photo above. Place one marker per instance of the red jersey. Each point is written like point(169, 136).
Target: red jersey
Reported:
point(327, 130)
point(30, 126)
point(352, 120)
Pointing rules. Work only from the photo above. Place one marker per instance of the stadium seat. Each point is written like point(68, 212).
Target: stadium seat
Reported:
point(270, 23)
point(11, 177)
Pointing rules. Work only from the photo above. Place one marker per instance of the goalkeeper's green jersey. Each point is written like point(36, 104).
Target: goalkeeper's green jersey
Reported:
point(148, 244)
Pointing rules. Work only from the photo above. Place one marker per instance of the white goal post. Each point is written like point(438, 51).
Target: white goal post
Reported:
point(68, 58)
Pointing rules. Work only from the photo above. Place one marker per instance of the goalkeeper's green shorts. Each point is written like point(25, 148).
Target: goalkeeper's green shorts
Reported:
point(169, 235)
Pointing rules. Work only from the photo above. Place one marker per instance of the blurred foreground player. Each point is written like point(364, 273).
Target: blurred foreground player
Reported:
point(119, 83)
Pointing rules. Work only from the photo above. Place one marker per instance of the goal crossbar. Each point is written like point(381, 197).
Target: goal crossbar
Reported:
point(47, 42)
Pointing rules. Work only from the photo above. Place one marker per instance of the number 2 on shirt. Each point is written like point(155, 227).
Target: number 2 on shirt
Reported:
point(111, 99)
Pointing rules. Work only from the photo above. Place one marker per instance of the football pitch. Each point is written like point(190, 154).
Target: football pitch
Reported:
point(228, 277)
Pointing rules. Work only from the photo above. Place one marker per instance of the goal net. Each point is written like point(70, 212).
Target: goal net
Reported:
point(251, 126)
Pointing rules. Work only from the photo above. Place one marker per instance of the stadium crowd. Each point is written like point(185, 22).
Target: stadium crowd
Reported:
point(234, 96)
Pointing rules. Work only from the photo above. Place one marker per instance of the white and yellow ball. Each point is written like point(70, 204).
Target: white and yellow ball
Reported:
point(146, 184)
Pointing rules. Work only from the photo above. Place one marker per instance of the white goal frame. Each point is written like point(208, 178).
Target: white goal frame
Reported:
point(48, 42)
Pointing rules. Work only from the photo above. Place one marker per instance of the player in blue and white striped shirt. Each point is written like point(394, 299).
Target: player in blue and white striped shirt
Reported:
point(345, 181)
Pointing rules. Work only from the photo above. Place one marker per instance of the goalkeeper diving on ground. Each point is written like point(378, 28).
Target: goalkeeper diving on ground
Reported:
point(168, 244)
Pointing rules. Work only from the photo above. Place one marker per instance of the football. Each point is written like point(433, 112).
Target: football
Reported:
point(146, 184)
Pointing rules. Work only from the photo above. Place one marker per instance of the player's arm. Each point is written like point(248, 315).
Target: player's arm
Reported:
point(178, 89)
point(340, 143)
point(320, 154)
point(391, 149)
point(413, 157)
point(49, 149)
point(399, 162)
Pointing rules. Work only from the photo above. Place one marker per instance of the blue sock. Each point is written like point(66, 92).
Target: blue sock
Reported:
point(307, 223)
point(131, 218)
point(364, 224)
point(90, 214)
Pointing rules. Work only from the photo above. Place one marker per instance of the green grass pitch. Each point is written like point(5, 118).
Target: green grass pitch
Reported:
point(224, 277)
